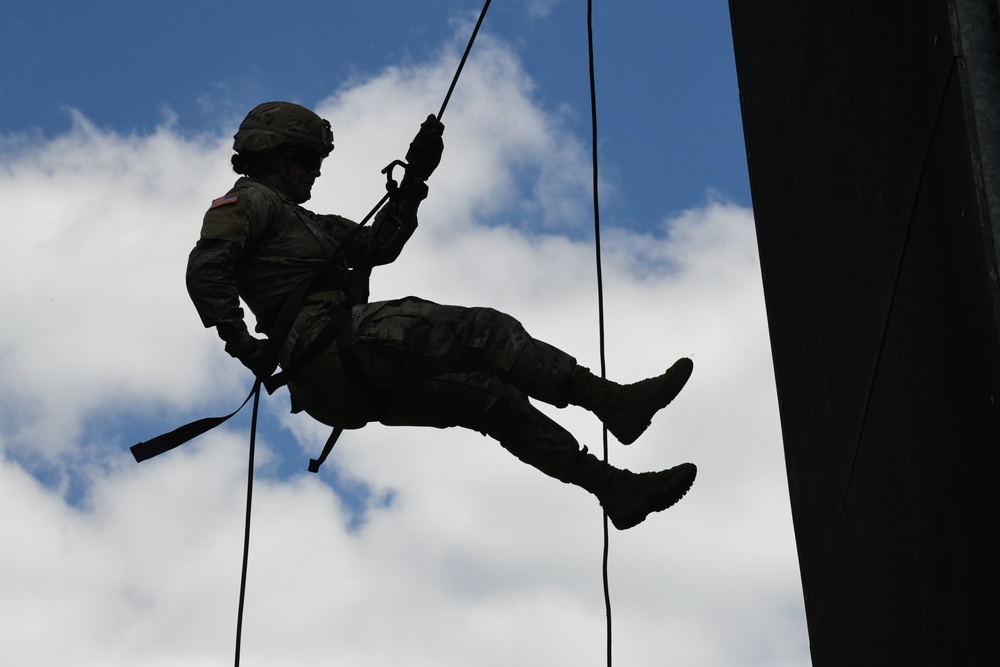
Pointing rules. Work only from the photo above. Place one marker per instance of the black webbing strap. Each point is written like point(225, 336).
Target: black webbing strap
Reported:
point(337, 329)
point(314, 464)
point(167, 441)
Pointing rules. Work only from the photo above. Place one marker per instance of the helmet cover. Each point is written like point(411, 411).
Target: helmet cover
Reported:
point(273, 124)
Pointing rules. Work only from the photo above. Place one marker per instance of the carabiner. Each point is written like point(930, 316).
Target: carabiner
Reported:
point(390, 184)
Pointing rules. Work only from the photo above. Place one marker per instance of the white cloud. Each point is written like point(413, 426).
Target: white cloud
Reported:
point(478, 559)
point(96, 231)
point(540, 8)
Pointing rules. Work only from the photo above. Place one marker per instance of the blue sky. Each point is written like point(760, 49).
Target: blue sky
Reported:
point(418, 547)
point(667, 93)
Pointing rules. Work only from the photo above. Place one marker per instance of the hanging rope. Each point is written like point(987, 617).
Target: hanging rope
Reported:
point(447, 98)
point(465, 56)
point(246, 530)
point(600, 296)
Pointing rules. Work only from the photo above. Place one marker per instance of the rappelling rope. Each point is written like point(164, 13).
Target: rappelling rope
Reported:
point(246, 529)
point(465, 56)
point(447, 98)
point(257, 385)
point(600, 296)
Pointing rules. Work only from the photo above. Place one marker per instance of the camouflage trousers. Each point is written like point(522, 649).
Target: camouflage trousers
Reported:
point(444, 366)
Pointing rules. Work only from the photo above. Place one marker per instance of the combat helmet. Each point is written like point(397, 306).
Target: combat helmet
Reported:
point(274, 124)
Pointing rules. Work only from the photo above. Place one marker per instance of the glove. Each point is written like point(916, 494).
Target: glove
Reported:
point(425, 150)
point(255, 354)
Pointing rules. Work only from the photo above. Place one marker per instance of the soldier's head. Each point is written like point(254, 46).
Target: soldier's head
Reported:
point(282, 144)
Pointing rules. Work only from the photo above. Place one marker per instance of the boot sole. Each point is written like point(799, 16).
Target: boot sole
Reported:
point(658, 498)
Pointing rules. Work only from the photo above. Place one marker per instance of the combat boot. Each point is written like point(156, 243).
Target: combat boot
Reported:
point(629, 497)
point(627, 410)
point(633, 496)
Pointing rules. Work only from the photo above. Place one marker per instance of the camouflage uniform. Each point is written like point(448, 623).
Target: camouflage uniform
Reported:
point(427, 364)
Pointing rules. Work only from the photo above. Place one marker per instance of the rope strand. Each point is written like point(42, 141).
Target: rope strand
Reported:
point(246, 530)
point(465, 56)
point(600, 299)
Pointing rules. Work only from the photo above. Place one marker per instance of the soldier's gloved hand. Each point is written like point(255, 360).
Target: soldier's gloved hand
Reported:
point(257, 355)
point(425, 150)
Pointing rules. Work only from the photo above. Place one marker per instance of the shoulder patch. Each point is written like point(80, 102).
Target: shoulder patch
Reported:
point(230, 198)
point(226, 219)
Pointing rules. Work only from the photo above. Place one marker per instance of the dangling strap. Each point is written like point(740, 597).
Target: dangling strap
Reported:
point(177, 437)
point(338, 329)
point(314, 464)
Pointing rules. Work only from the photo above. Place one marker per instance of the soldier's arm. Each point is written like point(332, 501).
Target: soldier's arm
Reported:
point(382, 241)
point(211, 270)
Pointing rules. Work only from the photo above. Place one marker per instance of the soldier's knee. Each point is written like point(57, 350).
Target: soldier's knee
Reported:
point(503, 337)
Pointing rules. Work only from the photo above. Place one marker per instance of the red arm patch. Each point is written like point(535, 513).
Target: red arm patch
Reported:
point(230, 198)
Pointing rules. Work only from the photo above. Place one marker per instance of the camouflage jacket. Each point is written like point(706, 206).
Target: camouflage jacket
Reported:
point(257, 244)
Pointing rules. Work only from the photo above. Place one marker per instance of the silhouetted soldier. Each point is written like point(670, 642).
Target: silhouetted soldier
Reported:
point(404, 362)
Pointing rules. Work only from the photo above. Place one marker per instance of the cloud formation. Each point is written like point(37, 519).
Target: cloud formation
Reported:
point(465, 555)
